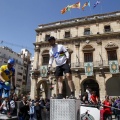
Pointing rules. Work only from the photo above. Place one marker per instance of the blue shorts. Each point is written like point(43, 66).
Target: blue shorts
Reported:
point(4, 89)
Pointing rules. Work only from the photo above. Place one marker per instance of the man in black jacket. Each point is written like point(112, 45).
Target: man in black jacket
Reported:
point(23, 109)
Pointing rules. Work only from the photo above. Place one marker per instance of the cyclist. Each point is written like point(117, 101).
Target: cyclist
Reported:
point(6, 73)
point(61, 56)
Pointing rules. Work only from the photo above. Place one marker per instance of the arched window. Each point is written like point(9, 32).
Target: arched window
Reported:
point(45, 57)
point(88, 53)
point(111, 51)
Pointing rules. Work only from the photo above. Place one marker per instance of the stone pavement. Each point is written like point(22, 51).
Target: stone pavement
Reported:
point(4, 117)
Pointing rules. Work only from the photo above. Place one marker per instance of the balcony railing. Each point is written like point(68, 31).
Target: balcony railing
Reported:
point(77, 65)
point(107, 30)
point(87, 33)
point(96, 64)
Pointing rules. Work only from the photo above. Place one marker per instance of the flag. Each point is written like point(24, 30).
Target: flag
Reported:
point(97, 2)
point(68, 8)
point(64, 10)
point(1, 41)
point(76, 5)
point(86, 4)
point(89, 3)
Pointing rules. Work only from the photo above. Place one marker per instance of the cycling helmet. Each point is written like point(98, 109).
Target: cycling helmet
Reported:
point(51, 38)
point(11, 61)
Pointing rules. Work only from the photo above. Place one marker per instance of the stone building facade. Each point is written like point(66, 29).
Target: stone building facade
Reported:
point(94, 46)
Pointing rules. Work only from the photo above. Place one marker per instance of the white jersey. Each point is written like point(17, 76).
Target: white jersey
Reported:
point(59, 53)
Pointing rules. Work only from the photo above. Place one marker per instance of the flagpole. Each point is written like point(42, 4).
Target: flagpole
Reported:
point(90, 10)
point(101, 8)
point(70, 15)
point(89, 4)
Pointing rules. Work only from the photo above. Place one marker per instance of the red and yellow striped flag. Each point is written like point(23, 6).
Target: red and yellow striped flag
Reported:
point(76, 5)
point(64, 10)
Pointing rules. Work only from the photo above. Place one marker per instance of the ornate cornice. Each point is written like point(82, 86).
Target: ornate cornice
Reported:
point(37, 48)
point(77, 44)
point(79, 21)
point(111, 45)
point(73, 40)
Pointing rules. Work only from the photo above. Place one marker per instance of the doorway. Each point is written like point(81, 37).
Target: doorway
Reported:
point(92, 84)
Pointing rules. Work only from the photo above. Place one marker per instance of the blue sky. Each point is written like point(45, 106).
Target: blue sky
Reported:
point(20, 18)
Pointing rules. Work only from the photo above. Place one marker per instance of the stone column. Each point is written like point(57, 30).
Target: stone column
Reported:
point(102, 87)
point(35, 66)
point(77, 45)
point(36, 57)
point(76, 81)
point(77, 64)
point(33, 88)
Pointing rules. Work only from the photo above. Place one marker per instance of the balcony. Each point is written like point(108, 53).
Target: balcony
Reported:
point(96, 64)
point(77, 65)
point(107, 30)
point(86, 33)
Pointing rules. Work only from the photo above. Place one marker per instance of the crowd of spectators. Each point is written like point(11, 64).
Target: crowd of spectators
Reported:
point(109, 106)
point(39, 108)
point(25, 108)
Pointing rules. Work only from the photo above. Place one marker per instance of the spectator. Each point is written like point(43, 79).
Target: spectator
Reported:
point(47, 104)
point(116, 104)
point(42, 102)
point(88, 90)
point(32, 110)
point(5, 106)
point(85, 98)
point(67, 97)
point(37, 109)
point(107, 114)
point(54, 96)
point(94, 99)
point(23, 109)
point(12, 106)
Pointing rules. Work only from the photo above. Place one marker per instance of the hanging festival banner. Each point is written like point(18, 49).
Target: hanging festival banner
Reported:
point(88, 68)
point(114, 66)
point(43, 71)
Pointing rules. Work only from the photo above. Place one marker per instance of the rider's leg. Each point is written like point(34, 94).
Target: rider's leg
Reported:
point(1, 91)
point(60, 87)
point(70, 82)
point(59, 76)
point(0, 97)
point(67, 72)
point(6, 93)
